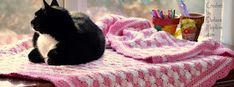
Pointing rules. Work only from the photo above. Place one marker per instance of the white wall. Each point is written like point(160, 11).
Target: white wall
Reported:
point(227, 34)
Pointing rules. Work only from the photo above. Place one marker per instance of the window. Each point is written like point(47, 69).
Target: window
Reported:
point(16, 15)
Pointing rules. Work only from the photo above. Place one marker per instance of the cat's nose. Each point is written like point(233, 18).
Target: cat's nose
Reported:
point(34, 25)
point(32, 22)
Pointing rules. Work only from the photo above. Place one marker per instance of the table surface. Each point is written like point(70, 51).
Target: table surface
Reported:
point(13, 82)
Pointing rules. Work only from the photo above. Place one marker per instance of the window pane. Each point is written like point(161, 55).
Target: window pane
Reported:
point(138, 8)
point(15, 17)
point(16, 14)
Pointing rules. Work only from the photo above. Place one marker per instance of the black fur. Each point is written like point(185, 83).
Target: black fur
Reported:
point(79, 39)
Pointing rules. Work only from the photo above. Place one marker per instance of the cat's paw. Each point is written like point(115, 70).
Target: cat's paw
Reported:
point(35, 57)
point(53, 58)
point(53, 53)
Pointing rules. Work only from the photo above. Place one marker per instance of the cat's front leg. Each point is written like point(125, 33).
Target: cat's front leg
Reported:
point(54, 58)
point(34, 40)
point(35, 57)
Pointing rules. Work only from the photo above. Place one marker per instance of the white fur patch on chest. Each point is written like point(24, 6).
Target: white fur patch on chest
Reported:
point(45, 43)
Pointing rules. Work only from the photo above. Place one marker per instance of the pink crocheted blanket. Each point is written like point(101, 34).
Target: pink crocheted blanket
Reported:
point(115, 70)
point(168, 62)
point(134, 38)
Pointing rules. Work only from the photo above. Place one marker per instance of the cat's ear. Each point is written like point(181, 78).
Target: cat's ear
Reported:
point(45, 5)
point(54, 3)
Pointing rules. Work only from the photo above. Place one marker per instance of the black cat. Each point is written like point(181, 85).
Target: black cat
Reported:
point(64, 39)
